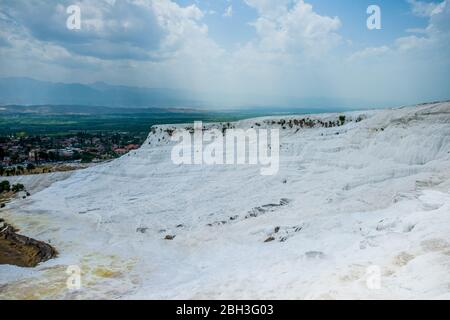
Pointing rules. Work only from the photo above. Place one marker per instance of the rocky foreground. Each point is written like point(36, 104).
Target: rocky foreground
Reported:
point(18, 250)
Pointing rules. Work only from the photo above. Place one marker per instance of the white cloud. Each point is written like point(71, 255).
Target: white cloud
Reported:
point(121, 29)
point(137, 42)
point(269, 8)
point(426, 9)
point(294, 29)
point(369, 53)
point(413, 68)
point(435, 35)
point(228, 11)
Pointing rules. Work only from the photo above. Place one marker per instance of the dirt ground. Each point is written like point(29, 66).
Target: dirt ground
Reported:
point(19, 250)
point(48, 168)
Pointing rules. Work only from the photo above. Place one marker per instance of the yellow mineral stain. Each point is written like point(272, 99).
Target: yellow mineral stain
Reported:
point(105, 272)
point(50, 284)
point(51, 281)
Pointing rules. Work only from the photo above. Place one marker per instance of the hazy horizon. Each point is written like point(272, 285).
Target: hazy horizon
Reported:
point(27, 91)
point(237, 52)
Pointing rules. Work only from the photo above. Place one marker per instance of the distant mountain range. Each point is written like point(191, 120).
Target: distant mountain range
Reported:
point(48, 109)
point(26, 91)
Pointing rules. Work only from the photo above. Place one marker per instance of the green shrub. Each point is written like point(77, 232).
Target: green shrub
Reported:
point(87, 157)
point(17, 187)
point(5, 186)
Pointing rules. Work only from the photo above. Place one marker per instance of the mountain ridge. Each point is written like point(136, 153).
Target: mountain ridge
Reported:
point(27, 91)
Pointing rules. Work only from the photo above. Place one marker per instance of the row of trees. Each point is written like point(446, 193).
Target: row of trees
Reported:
point(18, 170)
point(5, 186)
point(309, 123)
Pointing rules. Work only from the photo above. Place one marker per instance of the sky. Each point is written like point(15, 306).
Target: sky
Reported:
point(245, 52)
